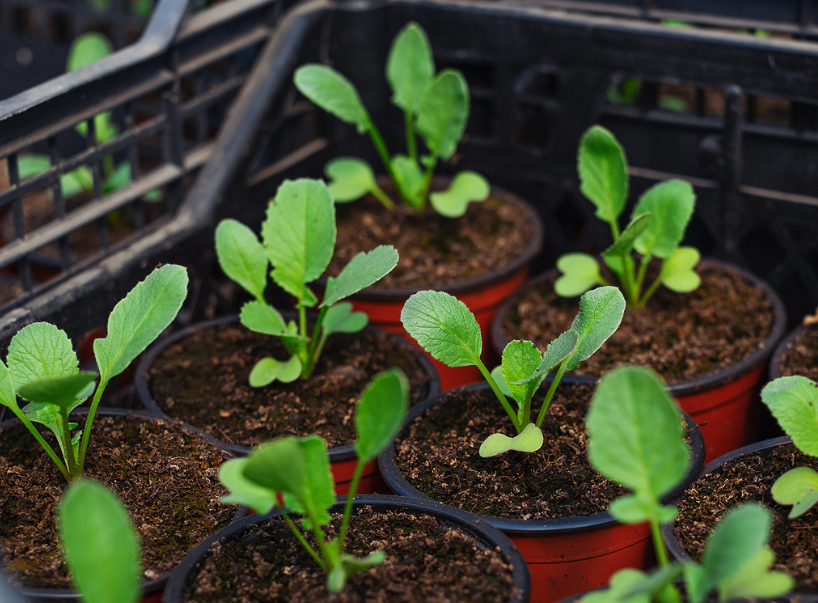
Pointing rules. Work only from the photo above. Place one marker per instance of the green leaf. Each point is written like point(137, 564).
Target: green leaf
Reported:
point(350, 178)
point(530, 439)
point(443, 326)
point(670, 204)
point(603, 173)
point(140, 318)
point(624, 244)
point(600, 314)
point(77, 181)
point(32, 164)
point(99, 543)
point(88, 48)
point(242, 257)
point(677, 272)
point(261, 317)
point(120, 178)
point(408, 179)
point(497, 375)
point(635, 586)
point(632, 509)
point(8, 392)
point(341, 319)
point(269, 369)
point(797, 487)
point(557, 351)
point(580, 272)
point(410, 66)
point(244, 491)
point(443, 113)
point(520, 360)
point(362, 271)
point(793, 401)
point(59, 391)
point(299, 234)
point(635, 433)
point(755, 582)
point(466, 187)
point(333, 93)
point(40, 350)
point(380, 413)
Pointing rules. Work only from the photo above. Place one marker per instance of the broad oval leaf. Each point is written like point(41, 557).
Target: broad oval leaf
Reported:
point(41, 350)
point(101, 547)
point(333, 93)
point(530, 439)
point(670, 204)
point(59, 391)
point(443, 113)
point(520, 360)
point(244, 491)
point(443, 326)
point(678, 274)
point(86, 49)
point(600, 314)
point(261, 317)
point(269, 369)
point(341, 319)
point(140, 318)
point(350, 178)
point(793, 401)
point(365, 269)
point(242, 257)
point(410, 66)
point(580, 272)
point(466, 187)
point(603, 172)
point(380, 413)
point(797, 487)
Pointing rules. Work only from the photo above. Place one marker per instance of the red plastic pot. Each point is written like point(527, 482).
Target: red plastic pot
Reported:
point(342, 458)
point(566, 555)
point(725, 404)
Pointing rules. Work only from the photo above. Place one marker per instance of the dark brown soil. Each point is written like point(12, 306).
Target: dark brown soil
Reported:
point(680, 335)
point(434, 251)
point(167, 479)
point(426, 561)
point(750, 478)
point(202, 380)
point(439, 457)
point(801, 356)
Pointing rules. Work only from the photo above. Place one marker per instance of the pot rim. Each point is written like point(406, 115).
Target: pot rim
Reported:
point(686, 387)
point(774, 372)
point(343, 452)
point(468, 521)
point(561, 525)
point(474, 283)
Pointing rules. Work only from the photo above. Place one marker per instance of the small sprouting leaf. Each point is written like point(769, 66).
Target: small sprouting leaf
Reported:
point(350, 178)
point(443, 326)
point(755, 582)
point(408, 179)
point(40, 350)
point(362, 271)
point(261, 317)
point(600, 314)
point(624, 244)
point(349, 566)
point(269, 369)
point(140, 318)
point(242, 257)
point(603, 172)
point(580, 272)
point(77, 181)
point(520, 360)
point(244, 491)
point(466, 187)
point(341, 319)
point(793, 401)
point(8, 393)
point(59, 391)
point(797, 487)
point(333, 93)
point(635, 586)
point(443, 113)
point(299, 234)
point(677, 272)
point(670, 204)
point(380, 413)
point(530, 439)
point(410, 66)
point(497, 375)
point(100, 545)
point(88, 48)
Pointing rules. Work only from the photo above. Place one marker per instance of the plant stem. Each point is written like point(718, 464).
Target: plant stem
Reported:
point(381, 196)
point(500, 396)
point(46, 446)
point(649, 293)
point(69, 449)
point(411, 145)
point(427, 181)
point(383, 152)
point(353, 488)
point(316, 344)
point(547, 402)
point(643, 268)
point(89, 421)
point(301, 538)
point(658, 544)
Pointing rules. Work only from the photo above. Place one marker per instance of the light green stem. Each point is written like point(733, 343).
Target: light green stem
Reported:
point(381, 196)
point(640, 279)
point(411, 144)
point(427, 181)
point(383, 152)
point(46, 446)
point(316, 344)
point(497, 392)
point(550, 395)
point(69, 449)
point(649, 293)
point(301, 538)
point(353, 488)
point(89, 422)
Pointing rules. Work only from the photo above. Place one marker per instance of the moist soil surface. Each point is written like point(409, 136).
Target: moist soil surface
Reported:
point(426, 561)
point(680, 335)
point(439, 456)
point(434, 250)
point(202, 380)
point(750, 478)
point(166, 478)
point(801, 356)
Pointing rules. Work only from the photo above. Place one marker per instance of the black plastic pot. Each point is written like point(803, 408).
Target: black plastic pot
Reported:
point(565, 555)
point(488, 535)
point(342, 458)
point(724, 403)
point(151, 589)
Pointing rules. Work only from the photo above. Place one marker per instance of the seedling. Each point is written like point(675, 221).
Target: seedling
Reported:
point(437, 106)
point(298, 238)
point(43, 368)
point(657, 226)
point(636, 438)
point(446, 328)
point(100, 545)
point(792, 401)
point(299, 469)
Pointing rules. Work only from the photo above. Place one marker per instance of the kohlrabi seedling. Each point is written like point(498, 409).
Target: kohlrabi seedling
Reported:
point(299, 469)
point(636, 438)
point(657, 226)
point(298, 239)
point(437, 106)
point(446, 328)
point(792, 401)
point(43, 368)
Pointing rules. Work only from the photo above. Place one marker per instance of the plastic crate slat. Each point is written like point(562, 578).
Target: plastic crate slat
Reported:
point(255, 36)
point(201, 102)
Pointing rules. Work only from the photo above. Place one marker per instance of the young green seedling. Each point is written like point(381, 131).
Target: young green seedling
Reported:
point(444, 327)
point(298, 238)
point(437, 106)
point(43, 368)
point(657, 226)
point(299, 469)
point(792, 401)
point(99, 543)
point(636, 438)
